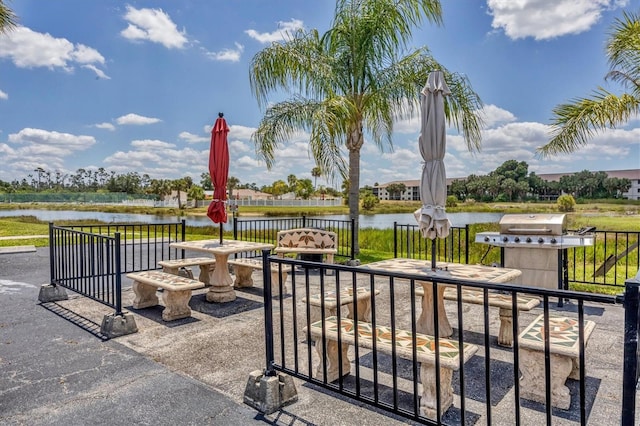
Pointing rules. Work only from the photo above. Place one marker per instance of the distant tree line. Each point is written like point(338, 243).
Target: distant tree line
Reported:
point(101, 180)
point(512, 182)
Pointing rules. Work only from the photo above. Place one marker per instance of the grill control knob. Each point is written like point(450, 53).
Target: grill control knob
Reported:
point(486, 239)
point(516, 239)
point(553, 241)
point(505, 239)
point(541, 240)
point(528, 239)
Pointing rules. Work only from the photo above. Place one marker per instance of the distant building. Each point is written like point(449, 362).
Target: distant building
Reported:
point(412, 192)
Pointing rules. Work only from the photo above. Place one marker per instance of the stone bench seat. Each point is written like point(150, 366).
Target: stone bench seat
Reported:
point(206, 265)
point(363, 302)
point(425, 354)
point(307, 241)
point(499, 300)
point(564, 350)
point(176, 294)
point(244, 267)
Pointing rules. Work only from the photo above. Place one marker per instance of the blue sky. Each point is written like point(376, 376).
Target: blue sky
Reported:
point(136, 86)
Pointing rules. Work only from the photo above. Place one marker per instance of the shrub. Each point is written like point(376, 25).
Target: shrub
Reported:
point(566, 203)
point(452, 201)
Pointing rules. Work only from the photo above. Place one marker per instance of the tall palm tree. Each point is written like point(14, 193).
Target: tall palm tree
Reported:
point(353, 80)
point(316, 172)
point(8, 19)
point(573, 124)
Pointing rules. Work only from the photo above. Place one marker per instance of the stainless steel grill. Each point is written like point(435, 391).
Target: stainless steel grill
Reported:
point(535, 231)
point(534, 244)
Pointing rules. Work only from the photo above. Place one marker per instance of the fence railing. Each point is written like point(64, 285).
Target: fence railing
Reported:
point(409, 242)
point(612, 259)
point(631, 367)
point(266, 230)
point(396, 379)
point(89, 259)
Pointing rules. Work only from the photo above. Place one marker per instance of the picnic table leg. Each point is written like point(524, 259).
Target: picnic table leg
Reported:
point(532, 382)
point(426, 321)
point(221, 290)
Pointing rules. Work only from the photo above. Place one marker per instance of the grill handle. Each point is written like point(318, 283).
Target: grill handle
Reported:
point(530, 230)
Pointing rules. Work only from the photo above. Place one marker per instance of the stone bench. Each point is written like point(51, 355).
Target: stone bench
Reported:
point(363, 301)
point(564, 349)
point(244, 267)
point(307, 241)
point(206, 265)
point(176, 294)
point(499, 300)
point(425, 354)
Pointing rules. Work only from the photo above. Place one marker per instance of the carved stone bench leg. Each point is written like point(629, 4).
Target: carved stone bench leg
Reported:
point(333, 372)
point(171, 269)
point(145, 295)
point(275, 283)
point(364, 310)
point(205, 273)
point(532, 382)
point(428, 401)
point(243, 276)
point(176, 304)
point(505, 335)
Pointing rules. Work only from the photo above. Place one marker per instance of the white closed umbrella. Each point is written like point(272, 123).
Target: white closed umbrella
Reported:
point(432, 217)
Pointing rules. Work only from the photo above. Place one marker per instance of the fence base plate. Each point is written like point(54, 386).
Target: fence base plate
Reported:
point(118, 325)
point(269, 394)
point(52, 293)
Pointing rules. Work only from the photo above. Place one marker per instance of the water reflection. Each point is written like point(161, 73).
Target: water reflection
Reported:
point(377, 221)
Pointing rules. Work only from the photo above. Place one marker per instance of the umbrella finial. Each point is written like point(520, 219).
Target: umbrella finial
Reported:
point(220, 114)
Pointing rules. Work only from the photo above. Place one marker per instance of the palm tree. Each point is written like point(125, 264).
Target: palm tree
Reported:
point(351, 81)
point(574, 123)
point(8, 19)
point(316, 172)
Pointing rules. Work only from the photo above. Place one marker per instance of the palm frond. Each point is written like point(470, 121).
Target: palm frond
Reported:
point(8, 19)
point(576, 122)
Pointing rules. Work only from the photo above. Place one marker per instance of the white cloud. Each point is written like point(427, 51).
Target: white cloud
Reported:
point(493, 115)
point(191, 138)
point(99, 72)
point(136, 120)
point(105, 126)
point(29, 49)
point(240, 132)
point(238, 146)
point(153, 25)
point(544, 19)
point(229, 55)
point(51, 138)
point(3, 95)
point(284, 30)
point(151, 144)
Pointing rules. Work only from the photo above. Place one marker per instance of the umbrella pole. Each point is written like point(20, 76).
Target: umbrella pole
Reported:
point(433, 254)
point(220, 233)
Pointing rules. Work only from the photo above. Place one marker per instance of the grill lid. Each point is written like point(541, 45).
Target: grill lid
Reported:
point(538, 224)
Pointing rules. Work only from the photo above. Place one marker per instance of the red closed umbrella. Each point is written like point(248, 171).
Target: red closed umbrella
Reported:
point(219, 171)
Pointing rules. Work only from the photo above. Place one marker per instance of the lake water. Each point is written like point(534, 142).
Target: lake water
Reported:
point(377, 221)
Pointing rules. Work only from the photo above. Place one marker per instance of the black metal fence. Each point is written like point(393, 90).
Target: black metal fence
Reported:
point(631, 368)
point(266, 230)
point(401, 380)
point(89, 259)
point(612, 259)
point(409, 242)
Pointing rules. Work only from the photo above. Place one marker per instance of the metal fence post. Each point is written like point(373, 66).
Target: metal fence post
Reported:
point(395, 239)
point(353, 238)
point(268, 313)
point(466, 244)
point(184, 235)
point(52, 249)
point(118, 275)
point(630, 360)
